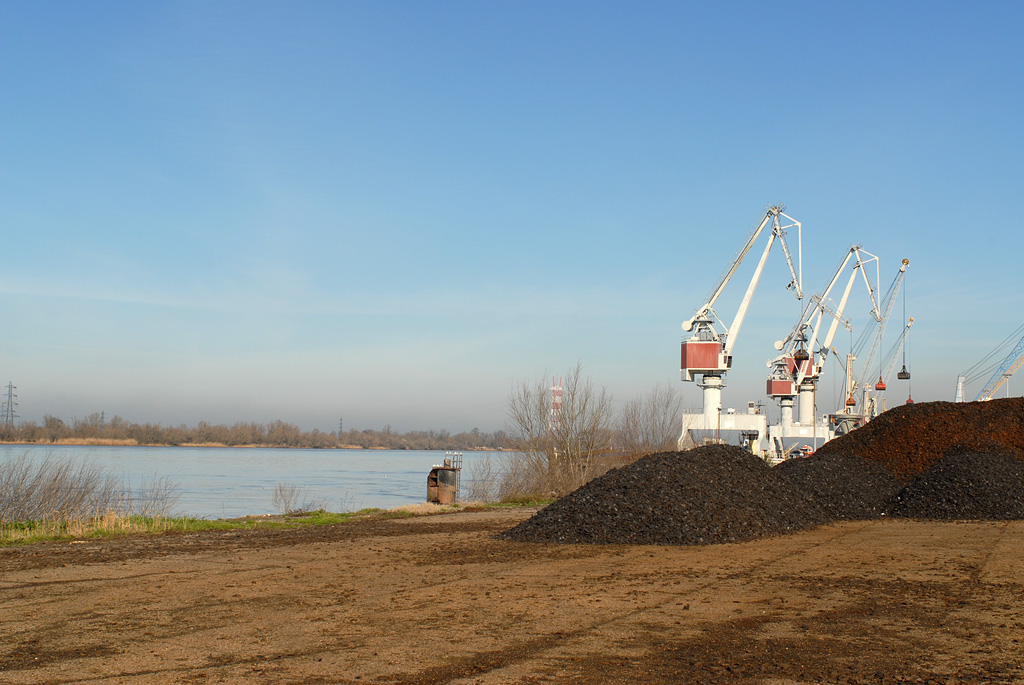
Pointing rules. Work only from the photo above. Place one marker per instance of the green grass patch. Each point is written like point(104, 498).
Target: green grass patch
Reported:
point(326, 518)
point(113, 525)
point(397, 514)
point(523, 501)
point(110, 526)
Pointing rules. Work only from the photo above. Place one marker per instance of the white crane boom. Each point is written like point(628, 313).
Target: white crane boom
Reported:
point(706, 309)
point(741, 313)
point(812, 369)
point(837, 316)
point(708, 352)
point(813, 316)
point(798, 274)
point(816, 302)
point(778, 231)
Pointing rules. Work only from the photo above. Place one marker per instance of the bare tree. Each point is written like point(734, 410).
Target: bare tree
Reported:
point(55, 428)
point(562, 445)
point(650, 422)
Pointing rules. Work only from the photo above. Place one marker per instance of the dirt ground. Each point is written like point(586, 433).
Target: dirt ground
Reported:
point(436, 600)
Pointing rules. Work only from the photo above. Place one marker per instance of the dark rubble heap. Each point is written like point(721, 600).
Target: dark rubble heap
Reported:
point(935, 460)
point(705, 495)
point(966, 485)
point(846, 486)
point(908, 440)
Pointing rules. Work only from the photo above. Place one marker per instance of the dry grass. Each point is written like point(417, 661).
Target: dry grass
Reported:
point(423, 509)
point(111, 523)
point(103, 442)
point(60, 498)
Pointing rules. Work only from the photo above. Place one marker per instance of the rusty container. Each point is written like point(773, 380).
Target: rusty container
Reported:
point(442, 485)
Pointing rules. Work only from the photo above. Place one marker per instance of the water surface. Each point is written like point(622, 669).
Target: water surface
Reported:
point(224, 482)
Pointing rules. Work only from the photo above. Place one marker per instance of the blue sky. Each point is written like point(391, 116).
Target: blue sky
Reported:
point(393, 211)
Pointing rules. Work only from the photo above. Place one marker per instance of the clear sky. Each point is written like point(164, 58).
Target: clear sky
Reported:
point(392, 211)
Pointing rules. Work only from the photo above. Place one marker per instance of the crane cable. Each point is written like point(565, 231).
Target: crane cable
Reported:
point(868, 333)
point(905, 323)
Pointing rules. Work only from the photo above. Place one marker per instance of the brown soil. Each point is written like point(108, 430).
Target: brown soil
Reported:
point(437, 599)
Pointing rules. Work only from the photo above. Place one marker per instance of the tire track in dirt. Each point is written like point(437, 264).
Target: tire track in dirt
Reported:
point(487, 662)
point(445, 602)
point(55, 554)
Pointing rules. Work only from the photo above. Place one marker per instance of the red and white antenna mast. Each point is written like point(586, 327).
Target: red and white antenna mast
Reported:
point(555, 415)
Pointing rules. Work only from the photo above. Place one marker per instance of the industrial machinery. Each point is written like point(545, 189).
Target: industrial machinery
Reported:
point(892, 355)
point(1013, 361)
point(707, 353)
point(795, 372)
point(860, 390)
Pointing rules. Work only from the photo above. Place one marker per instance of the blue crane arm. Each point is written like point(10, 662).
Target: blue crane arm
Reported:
point(1013, 361)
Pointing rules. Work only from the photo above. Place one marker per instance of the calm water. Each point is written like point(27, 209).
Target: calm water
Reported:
point(224, 482)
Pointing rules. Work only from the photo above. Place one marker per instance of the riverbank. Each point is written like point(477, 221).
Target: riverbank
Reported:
point(215, 482)
point(109, 442)
point(437, 599)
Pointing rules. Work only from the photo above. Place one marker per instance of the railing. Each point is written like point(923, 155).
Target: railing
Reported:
point(455, 460)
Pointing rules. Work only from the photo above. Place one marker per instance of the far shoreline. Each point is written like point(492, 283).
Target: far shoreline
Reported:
point(109, 442)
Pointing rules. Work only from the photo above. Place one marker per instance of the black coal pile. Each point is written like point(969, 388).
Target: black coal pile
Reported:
point(846, 486)
point(907, 440)
point(705, 495)
point(966, 485)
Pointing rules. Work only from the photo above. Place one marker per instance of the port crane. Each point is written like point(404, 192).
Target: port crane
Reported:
point(797, 369)
point(707, 353)
point(1006, 368)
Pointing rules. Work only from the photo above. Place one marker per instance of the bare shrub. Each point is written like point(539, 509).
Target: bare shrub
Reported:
point(154, 499)
point(293, 500)
point(482, 483)
point(508, 477)
point(523, 475)
point(61, 490)
point(650, 423)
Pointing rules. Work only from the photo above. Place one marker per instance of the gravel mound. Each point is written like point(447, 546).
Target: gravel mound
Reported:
point(846, 486)
point(966, 485)
point(931, 460)
point(705, 495)
point(907, 440)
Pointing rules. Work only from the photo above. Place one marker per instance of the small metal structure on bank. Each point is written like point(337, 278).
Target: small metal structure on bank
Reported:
point(444, 482)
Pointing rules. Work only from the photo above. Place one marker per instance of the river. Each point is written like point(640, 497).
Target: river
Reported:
point(225, 482)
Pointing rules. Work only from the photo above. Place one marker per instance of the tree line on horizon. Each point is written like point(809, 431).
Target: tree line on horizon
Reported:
point(560, 444)
point(118, 431)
